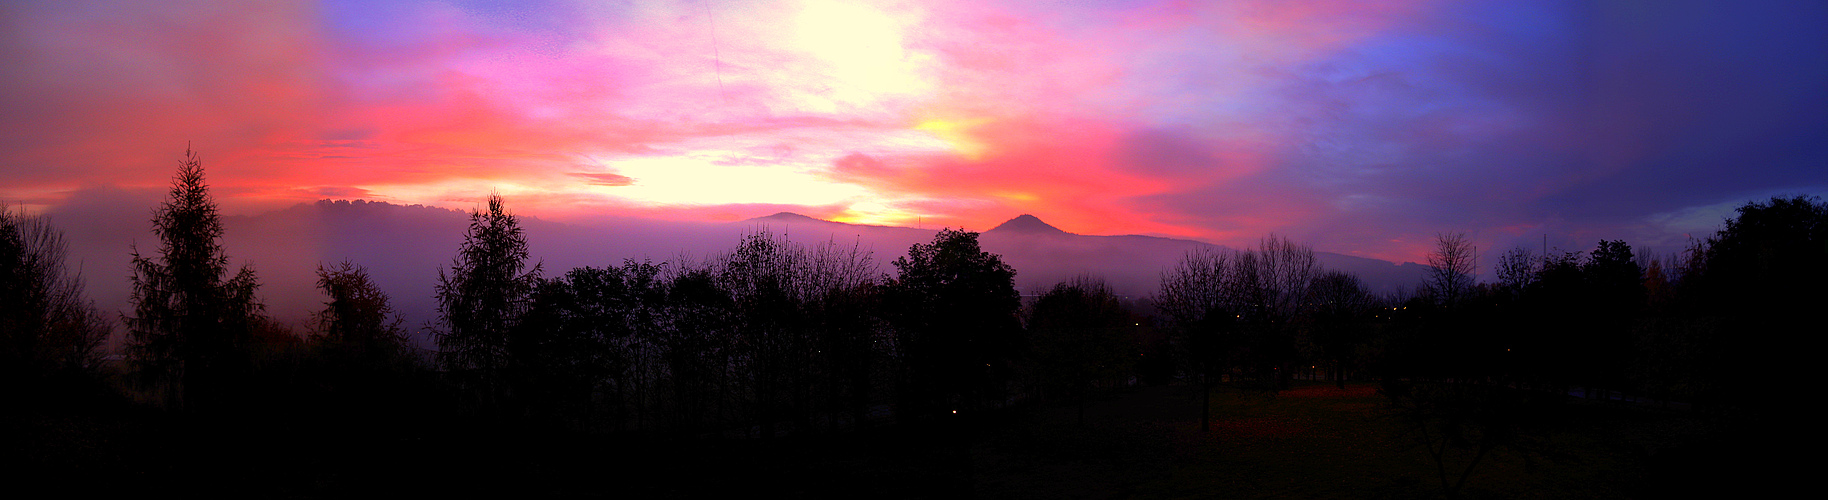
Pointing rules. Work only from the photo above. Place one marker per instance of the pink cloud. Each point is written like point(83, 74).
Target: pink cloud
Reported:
point(1050, 106)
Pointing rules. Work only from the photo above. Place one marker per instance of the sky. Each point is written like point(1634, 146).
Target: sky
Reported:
point(1363, 127)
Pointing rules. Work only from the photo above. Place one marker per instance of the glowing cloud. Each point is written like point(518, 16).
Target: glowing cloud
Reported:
point(1360, 126)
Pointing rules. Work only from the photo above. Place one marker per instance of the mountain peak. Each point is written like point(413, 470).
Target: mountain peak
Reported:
point(1027, 224)
point(787, 217)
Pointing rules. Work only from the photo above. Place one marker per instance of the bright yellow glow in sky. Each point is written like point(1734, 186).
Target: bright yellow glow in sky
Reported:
point(696, 180)
point(876, 213)
point(862, 49)
point(957, 134)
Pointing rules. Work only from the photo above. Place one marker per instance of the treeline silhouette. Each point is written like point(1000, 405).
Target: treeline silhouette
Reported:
point(775, 337)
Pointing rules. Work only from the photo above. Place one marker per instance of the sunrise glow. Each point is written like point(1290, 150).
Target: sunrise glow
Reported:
point(1361, 127)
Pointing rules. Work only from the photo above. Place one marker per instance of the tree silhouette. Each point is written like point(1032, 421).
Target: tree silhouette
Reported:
point(191, 326)
point(1284, 277)
point(358, 324)
point(1517, 268)
point(1341, 309)
point(1237, 310)
point(1203, 311)
point(1615, 295)
point(572, 340)
point(50, 332)
point(1762, 275)
point(1080, 333)
point(957, 322)
point(481, 299)
point(1450, 273)
point(700, 353)
point(1771, 257)
point(763, 277)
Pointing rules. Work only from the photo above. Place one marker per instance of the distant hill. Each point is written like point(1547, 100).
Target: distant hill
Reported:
point(1043, 254)
point(1026, 224)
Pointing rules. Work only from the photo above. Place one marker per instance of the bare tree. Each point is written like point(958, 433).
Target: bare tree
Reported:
point(1287, 270)
point(1450, 275)
point(48, 328)
point(1199, 303)
point(1234, 308)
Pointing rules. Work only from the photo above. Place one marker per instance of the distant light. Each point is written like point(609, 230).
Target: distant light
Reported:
point(954, 412)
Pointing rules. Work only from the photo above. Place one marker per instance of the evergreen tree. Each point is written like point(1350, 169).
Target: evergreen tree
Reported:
point(481, 299)
point(191, 325)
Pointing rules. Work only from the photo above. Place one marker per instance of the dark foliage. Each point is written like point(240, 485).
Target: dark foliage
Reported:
point(480, 302)
point(956, 323)
point(192, 325)
point(50, 333)
point(357, 323)
point(1081, 336)
point(776, 339)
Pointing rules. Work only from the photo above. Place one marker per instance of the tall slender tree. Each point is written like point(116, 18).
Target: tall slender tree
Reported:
point(481, 299)
point(191, 323)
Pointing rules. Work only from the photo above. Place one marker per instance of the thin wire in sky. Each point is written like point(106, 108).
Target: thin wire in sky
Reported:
point(717, 59)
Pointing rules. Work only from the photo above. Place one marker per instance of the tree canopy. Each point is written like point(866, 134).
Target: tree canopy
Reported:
point(958, 317)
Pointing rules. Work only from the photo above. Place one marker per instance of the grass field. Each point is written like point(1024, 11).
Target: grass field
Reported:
point(1313, 441)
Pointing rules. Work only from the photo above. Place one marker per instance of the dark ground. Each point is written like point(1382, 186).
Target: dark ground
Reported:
point(1310, 442)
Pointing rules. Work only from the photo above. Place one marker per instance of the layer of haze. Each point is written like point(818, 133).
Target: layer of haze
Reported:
point(405, 247)
point(1359, 127)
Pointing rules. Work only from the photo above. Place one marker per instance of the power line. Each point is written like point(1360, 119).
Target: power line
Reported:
point(717, 58)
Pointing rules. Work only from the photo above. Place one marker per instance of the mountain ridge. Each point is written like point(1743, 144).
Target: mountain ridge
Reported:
point(405, 246)
point(1124, 259)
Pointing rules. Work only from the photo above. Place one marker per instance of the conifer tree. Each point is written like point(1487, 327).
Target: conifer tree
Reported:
point(191, 324)
point(481, 299)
